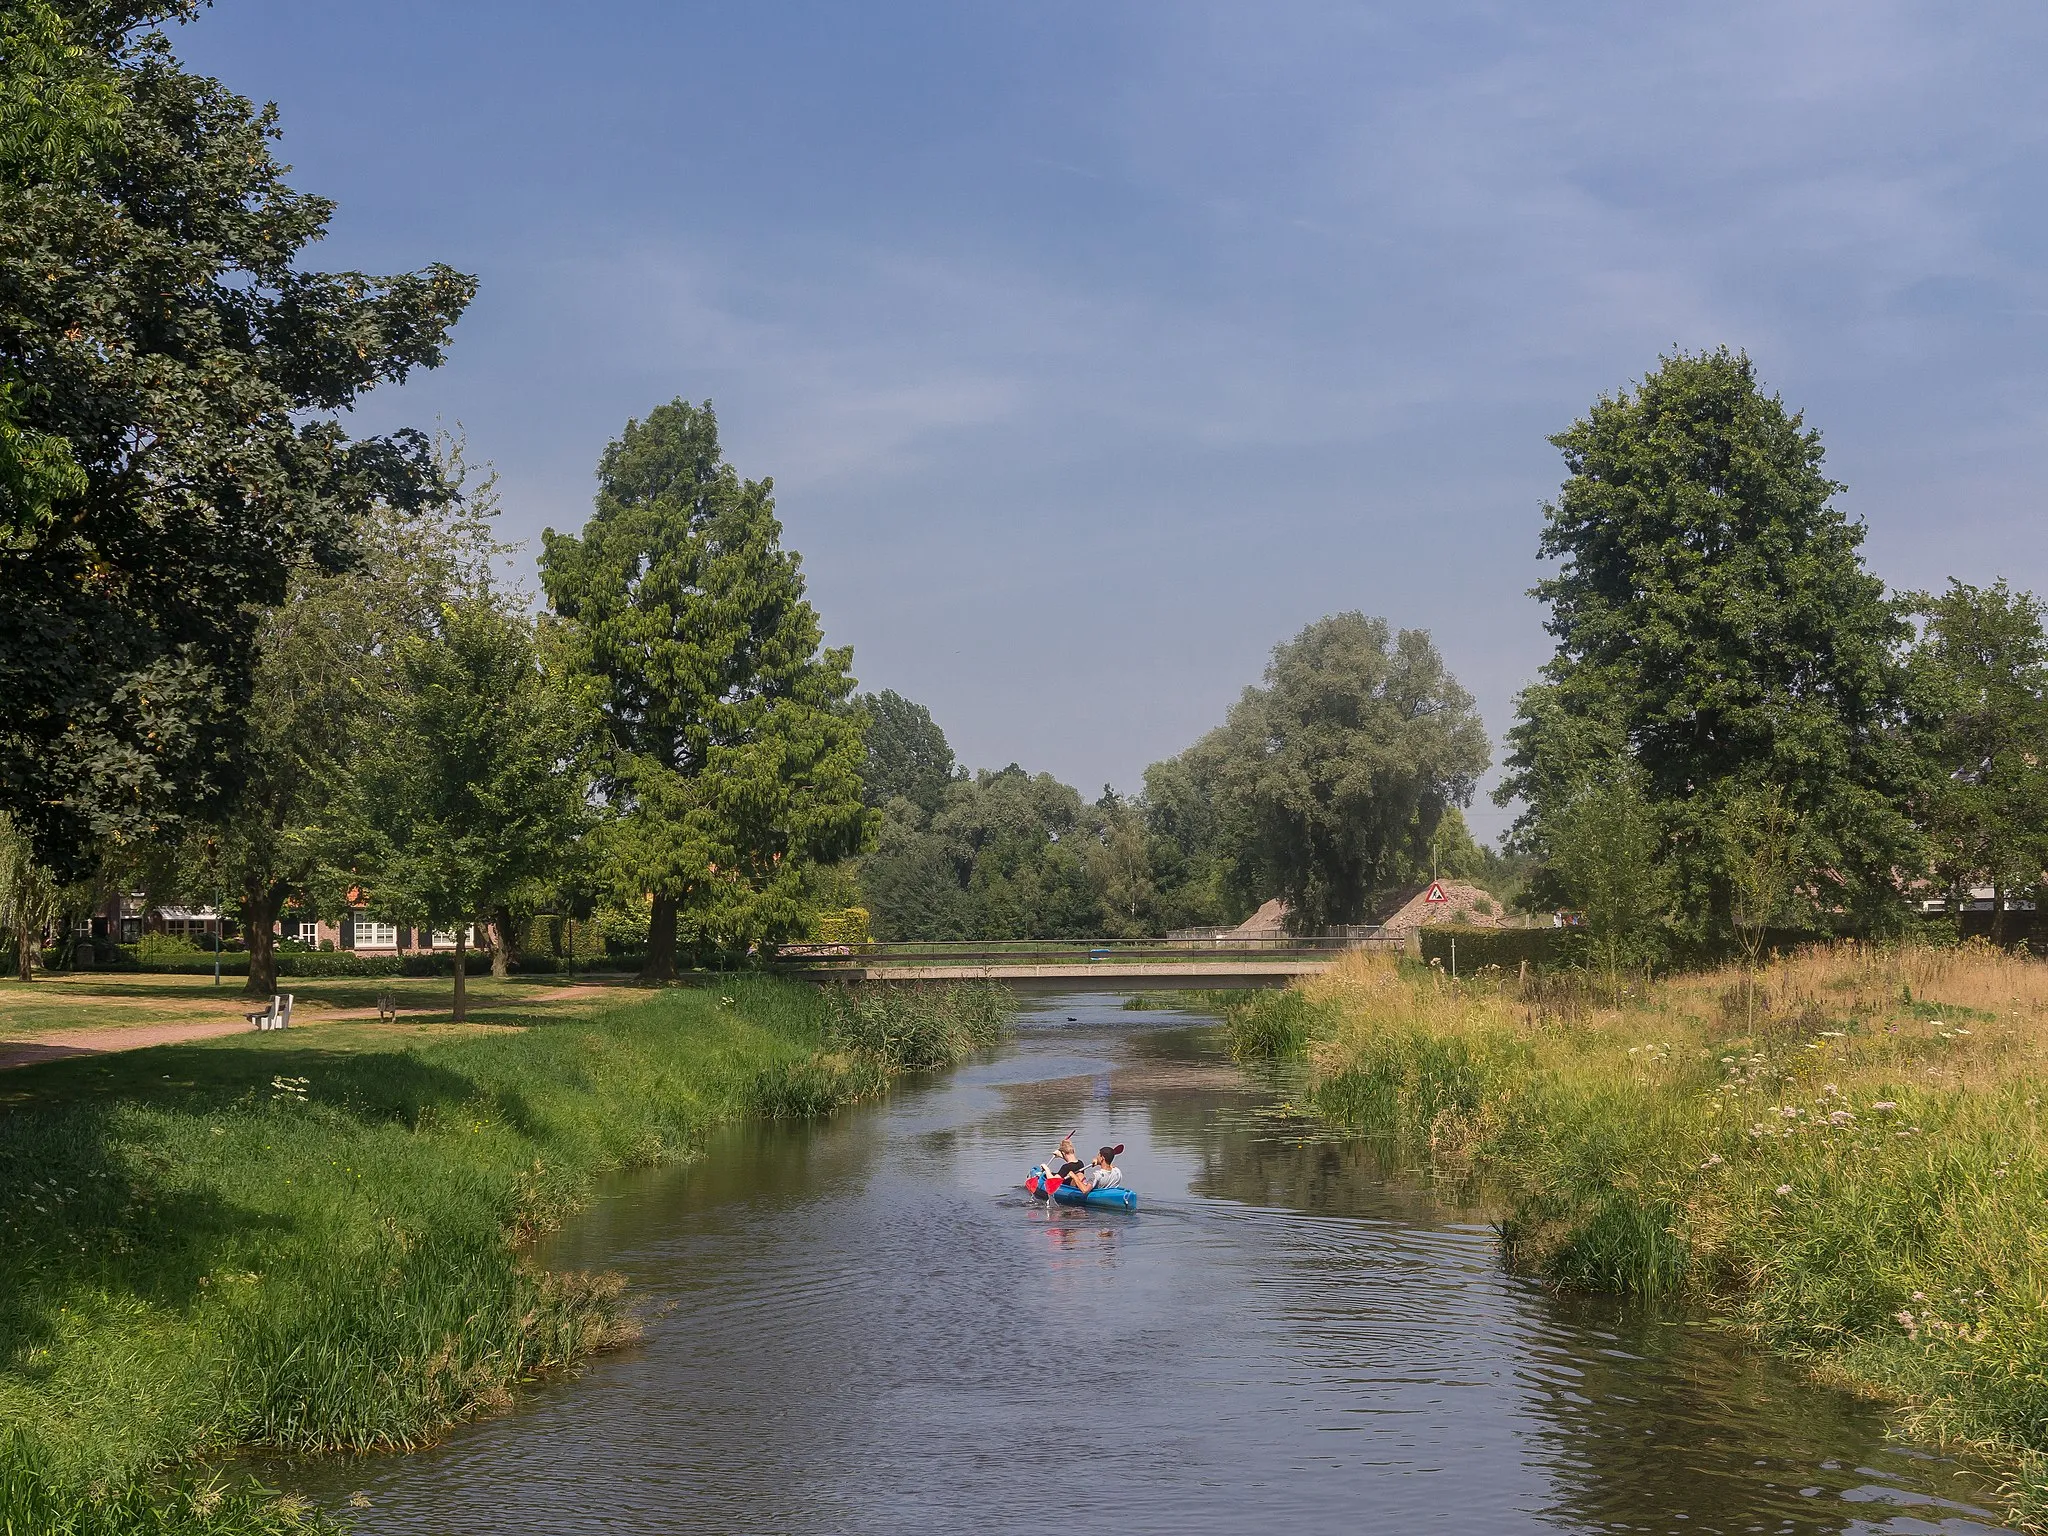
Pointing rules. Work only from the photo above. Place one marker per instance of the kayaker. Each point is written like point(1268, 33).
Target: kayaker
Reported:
point(1065, 1159)
point(1103, 1173)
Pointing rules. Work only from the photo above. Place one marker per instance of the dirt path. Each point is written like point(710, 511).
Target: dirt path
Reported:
point(134, 1037)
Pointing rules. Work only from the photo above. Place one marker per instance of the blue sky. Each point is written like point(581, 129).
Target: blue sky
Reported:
point(1095, 348)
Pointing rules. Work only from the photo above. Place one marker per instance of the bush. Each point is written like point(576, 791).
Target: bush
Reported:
point(168, 949)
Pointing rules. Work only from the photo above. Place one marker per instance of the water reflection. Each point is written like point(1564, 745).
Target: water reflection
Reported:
point(867, 1326)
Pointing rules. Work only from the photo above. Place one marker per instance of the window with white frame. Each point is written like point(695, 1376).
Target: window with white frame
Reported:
point(309, 933)
point(376, 935)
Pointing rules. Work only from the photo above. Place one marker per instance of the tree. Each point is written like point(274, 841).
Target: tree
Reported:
point(1184, 834)
point(1332, 778)
point(29, 897)
point(907, 754)
point(1717, 630)
point(467, 783)
point(1766, 861)
point(1978, 685)
point(1603, 852)
point(173, 446)
point(735, 760)
point(323, 657)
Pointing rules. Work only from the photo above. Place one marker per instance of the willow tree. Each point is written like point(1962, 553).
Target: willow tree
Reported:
point(735, 762)
point(1332, 779)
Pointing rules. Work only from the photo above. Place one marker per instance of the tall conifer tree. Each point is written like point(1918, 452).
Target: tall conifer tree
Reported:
point(735, 760)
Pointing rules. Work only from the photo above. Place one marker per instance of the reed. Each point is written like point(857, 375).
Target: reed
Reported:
point(1854, 1172)
point(271, 1242)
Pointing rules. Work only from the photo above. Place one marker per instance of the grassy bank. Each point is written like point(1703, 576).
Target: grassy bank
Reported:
point(309, 1241)
point(1851, 1162)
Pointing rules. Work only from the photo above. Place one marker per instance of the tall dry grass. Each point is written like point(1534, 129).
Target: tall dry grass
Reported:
point(1851, 1160)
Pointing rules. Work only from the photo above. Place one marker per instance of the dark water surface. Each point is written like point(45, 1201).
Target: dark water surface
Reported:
point(866, 1326)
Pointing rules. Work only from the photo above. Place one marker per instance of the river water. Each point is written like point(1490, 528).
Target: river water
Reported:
point(866, 1326)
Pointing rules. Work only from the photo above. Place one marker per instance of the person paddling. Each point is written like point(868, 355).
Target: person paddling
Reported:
point(1103, 1173)
point(1065, 1159)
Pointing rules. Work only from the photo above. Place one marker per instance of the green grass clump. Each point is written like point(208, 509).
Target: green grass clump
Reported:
point(917, 1028)
point(309, 1240)
point(1269, 1026)
point(1849, 1169)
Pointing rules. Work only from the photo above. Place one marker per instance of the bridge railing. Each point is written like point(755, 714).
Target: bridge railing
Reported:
point(993, 952)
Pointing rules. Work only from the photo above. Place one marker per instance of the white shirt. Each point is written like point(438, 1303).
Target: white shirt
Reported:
point(1105, 1178)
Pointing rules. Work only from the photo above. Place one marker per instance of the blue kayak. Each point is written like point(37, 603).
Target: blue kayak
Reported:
point(1103, 1199)
point(1065, 1194)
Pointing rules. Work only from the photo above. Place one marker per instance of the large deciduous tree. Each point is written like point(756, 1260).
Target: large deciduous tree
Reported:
point(1717, 634)
point(466, 782)
point(908, 756)
point(735, 759)
point(170, 445)
point(1331, 779)
point(1978, 685)
point(323, 665)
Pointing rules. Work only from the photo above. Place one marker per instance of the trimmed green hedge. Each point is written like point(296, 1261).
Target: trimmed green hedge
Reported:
point(1504, 947)
point(342, 962)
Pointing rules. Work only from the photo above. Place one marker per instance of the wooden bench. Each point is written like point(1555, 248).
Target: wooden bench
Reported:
point(277, 1016)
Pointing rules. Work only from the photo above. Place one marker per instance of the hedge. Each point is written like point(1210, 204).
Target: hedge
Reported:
point(341, 962)
point(1507, 948)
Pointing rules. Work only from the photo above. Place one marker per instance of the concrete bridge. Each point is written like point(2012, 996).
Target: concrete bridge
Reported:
point(1108, 965)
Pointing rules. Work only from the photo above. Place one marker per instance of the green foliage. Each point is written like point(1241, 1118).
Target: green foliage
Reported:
point(1978, 687)
point(193, 369)
point(1604, 848)
point(324, 660)
point(466, 783)
point(1270, 1026)
point(1845, 1203)
point(1542, 949)
point(264, 1242)
point(735, 761)
point(29, 897)
point(1716, 629)
point(920, 1028)
point(1331, 781)
point(158, 949)
point(908, 756)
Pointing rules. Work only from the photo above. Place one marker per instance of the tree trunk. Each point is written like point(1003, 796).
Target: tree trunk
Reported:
point(501, 943)
point(661, 940)
point(25, 954)
point(1998, 913)
point(261, 903)
point(461, 960)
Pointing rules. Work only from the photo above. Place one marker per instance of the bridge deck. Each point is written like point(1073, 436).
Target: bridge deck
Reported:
point(1106, 975)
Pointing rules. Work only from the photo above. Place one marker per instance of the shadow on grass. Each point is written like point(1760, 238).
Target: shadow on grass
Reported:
point(86, 1197)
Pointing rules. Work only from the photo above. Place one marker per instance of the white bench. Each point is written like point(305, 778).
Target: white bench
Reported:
point(277, 1016)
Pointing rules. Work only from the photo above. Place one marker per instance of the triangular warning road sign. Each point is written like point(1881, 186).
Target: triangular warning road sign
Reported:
point(1435, 894)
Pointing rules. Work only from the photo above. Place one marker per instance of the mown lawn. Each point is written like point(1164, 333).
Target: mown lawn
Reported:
point(103, 1000)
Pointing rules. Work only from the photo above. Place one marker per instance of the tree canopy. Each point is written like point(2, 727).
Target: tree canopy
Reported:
point(1978, 692)
point(1331, 780)
point(735, 762)
point(1717, 633)
point(908, 756)
point(170, 444)
point(465, 783)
